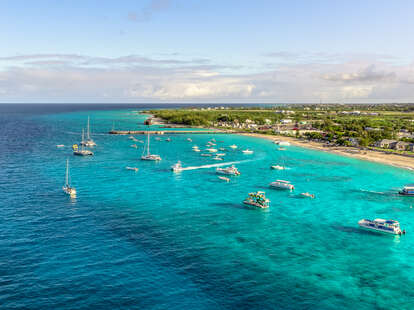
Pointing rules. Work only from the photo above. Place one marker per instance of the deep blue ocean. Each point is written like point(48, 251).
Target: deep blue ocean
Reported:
point(155, 239)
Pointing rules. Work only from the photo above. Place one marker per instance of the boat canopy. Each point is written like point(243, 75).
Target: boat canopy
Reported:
point(282, 181)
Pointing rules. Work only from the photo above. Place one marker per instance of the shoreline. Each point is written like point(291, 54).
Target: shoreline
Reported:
point(367, 155)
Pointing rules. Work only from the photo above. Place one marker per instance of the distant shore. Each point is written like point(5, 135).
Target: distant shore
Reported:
point(395, 160)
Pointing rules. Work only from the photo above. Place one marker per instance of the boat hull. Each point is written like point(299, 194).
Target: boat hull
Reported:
point(373, 229)
point(254, 204)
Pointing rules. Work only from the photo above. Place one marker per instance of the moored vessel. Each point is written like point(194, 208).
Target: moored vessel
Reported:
point(277, 167)
point(177, 167)
point(381, 225)
point(247, 151)
point(146, 154)
point(232, 170)
point(67, 188)
point(257, 199)
point(88, 142)
point(282, 184)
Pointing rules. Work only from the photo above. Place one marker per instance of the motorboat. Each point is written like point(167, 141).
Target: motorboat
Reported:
point(408, 190)
point(224, 179)
point(307, 195)
point(217, 158)
point(277, 167)
point(231, 170)
point(177, 167)
point(233, 146)
point(196, 150)
point(60, 145)
point(189, 140)
point(132, 168)
point(146, 154)
point(158, 138)
point(212, 150)
point(168, 139)
point(221, 154)
point(247, 151)
point(205, 155)
point(257, 199)
point(282, 184)
point(380, 225)
point(284, 143)
point(222, 149)
point(67, 188)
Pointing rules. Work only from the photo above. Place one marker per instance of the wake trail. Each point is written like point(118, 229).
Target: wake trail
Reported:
point(217, 165)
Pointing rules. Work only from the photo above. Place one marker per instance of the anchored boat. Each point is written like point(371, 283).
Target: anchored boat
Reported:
point(277, 167)
point(257, 199)
point(146, 154)
point(384, 226)
point(232, 170)
point(408, 190)
point(282, 184)
point(88, 142)
point(82, 151)
point(67, 189)
point(247, 151)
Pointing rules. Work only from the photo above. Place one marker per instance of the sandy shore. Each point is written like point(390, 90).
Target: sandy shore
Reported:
point(374, 156)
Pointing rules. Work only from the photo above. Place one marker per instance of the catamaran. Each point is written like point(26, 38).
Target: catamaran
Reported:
point(380, 225)
point(257, 199)
point(81, 151)
point(88, 142)
point(232, 170)
point(149, 156)
point(71, 191)
point(282, 184)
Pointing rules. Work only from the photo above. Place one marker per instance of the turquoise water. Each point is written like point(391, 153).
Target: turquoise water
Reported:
point(159, 240)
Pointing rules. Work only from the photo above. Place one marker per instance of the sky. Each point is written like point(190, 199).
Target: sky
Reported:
point(224, 51)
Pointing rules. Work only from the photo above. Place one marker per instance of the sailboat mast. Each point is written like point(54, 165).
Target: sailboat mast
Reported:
point(87, 133)
point(67, 173)
point(83, 138)
point(148, 143)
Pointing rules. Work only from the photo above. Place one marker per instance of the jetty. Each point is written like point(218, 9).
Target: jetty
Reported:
point(169, 132)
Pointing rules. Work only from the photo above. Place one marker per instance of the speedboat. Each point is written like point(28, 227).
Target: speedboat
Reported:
point(60, 145)
point(211, 150)
point(132, 168)
point(224, 179)
point(282, 184)
point(177, 167)
point(257, 199)
point(307, 195)
point(277, 167)
point(408, 190)
point(380, 225)
point(232, 170)
point(233, 146)
point(247, 151)
point(196, 150)
point(189, 140)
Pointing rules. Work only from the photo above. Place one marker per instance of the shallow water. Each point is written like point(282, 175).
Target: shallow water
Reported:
point(153, 239)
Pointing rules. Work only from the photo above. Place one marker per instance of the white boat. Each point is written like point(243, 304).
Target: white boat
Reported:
point(177, 167)
point(408, 190)
point(132, 168)
point(146, 154)
point(189, 140)
point(222, 149)
point(232, 170)
point(196, 150)
point(224, 179)
point(233, 146)
point(247, 151)
point(211, 150)
point(60, 145)
point(380, 225)
point(257, 199)
point(88, 142)
point(307, 195)
point(221, 154)
point(284, 143)
point(168, 139)
point(217, 158)
point(67, 189)
point(134, 146)
point(205, 155)
point(277, 167)
point(195, 147)
point(282, 184)
point(82, 151)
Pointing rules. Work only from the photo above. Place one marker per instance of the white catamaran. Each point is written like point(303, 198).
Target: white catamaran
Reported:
point(88, 142)
point(71, 191)
point(146, 154)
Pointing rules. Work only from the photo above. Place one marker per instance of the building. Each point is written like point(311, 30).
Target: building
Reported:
point(386, 143)
point(400, 146)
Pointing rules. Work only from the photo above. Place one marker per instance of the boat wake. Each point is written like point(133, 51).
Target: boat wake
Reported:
point(215, 165)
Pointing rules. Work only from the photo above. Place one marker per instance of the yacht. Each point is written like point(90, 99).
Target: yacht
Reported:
point(233, 146)
point(408, 190)
point(146, 154)
point(282, 184)
point(247, 151)
point(177, 167)
point(132, 168)
point(380, 225)
point(257, 199)
point(71, 191)
point(277, 167)
point(82, 151)
point(88, 142)
point(232, 170)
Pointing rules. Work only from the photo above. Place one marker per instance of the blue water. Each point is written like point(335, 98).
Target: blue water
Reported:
point(159, 240)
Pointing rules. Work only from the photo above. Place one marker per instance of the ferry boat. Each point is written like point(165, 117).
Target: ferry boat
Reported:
point(148, 156)
point(247, 151)
point(408, 190)
point(233, 146)
point(177, 167)
point(88, 142)
point(257, 199)
point(67, 189)
point(132, 168)
point(277, 167)
point(232, 170)
point(224, 179)
point(380, 225)
point(282, 184)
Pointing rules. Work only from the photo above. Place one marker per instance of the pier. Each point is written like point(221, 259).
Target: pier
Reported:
point(170, 132)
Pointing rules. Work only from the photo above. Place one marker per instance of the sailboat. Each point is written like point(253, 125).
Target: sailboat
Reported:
point(146, 154)
point(81, 151)
point(71, 191)
point(88, 142)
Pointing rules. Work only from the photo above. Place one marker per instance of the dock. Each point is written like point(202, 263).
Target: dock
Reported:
point(168, 132)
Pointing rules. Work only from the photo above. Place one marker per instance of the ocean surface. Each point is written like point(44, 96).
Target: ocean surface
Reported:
point(155, 239)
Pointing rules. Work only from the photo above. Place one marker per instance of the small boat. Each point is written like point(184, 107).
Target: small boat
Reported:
point(195, 147)
point(177, 167)
point(134, 146)
point(222, 149)
point(133, 138)
point(158, 138)
point(408, 190)
point(282, 184)
point(217, 158)
point(247, 151)
point(67, 189)
point(224, 179)
point(132, 168)
point(82, 151)
point(232, 170)
point(277, 167)
point(221, 154)
point(189, 140)
point(205, 155)
point(284, 143)
point(196, 150)
point(60, 145)
point(214, 140)
point(257, 199)
point(148, 156)
point(88, 142)
point(211, 143)
point(282, 149)
point(233, 146)
point(212, 150)
point(307, 195)
point(380, 225)
point(168, 139)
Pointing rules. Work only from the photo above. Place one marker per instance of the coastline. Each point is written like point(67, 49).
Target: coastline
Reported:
point(368, 155)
